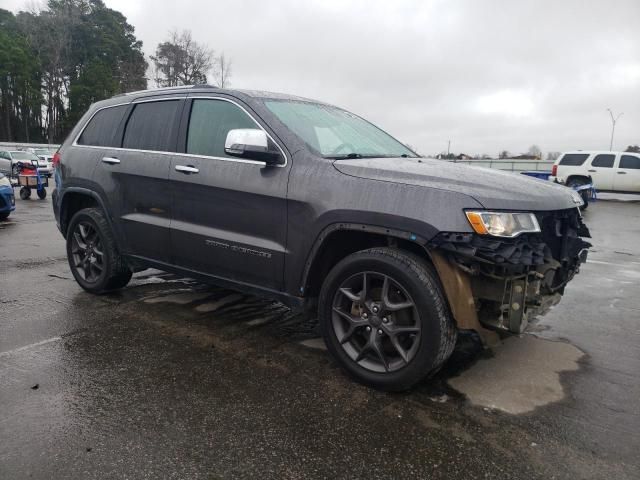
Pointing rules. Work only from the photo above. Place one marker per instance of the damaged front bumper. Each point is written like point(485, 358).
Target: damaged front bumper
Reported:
point(511, 280)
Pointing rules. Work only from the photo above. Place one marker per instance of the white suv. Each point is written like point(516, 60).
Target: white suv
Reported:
point(609, 171)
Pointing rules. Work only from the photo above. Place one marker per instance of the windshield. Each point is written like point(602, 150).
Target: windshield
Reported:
point(336, 133)
point(23, 156)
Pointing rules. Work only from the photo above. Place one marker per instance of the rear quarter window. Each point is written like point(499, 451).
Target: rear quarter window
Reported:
point(573, 159)
point(101, 129)
point(630, 161)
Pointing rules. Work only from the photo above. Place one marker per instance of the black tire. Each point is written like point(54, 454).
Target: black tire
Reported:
point(42, 194)
point(25, 193)
point(418, 283)
point(4, 216)
point(114, 273)
point(14, 170)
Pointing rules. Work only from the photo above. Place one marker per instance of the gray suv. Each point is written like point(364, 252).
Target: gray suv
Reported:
point(314, 206)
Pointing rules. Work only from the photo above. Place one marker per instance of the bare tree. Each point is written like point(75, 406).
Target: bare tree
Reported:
point(504, 154)
point(535, 151)
point(222, 71)
point(553, 155)
point(181, 61)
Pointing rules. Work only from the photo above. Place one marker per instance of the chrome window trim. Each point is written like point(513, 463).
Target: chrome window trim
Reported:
point(189, 155)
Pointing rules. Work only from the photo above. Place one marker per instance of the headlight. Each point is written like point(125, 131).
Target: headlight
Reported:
point(502, 224)
point(4, 182)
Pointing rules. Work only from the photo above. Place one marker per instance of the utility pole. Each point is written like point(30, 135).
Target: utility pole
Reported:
point(613, 126)
point(448, 147)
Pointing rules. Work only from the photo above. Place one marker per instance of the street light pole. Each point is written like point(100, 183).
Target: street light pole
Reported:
point(613, 126)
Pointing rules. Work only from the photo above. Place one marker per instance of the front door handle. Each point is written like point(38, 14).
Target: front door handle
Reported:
point(591, 170)
point(188, 169)
point(622, 173)
point(110, 160)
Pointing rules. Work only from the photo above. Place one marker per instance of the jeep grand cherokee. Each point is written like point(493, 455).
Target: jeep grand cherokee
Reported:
point(309, 204)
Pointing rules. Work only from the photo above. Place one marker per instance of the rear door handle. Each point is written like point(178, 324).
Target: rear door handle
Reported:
point(591, 170)
point(110, 160)
point(622, 173)
point(188, 169)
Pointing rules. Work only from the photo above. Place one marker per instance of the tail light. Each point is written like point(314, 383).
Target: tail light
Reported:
point(56, 159)
point(554, 170)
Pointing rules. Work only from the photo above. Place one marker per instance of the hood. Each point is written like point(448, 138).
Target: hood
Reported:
point(494, 189)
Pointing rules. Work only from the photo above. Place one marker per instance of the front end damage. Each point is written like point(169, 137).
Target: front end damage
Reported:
point(504, 283)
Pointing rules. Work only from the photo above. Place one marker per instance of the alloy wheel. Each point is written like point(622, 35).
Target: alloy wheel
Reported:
point(86, 252)
point(376, 322)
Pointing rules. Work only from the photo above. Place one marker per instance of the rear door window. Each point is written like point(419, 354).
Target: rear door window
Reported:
point(209, 123)
point(101, 129)
point(603, 161)
point(630, 161)
point(151, 126)
point(573, 159)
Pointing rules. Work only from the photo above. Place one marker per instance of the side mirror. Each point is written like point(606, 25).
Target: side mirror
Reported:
point(252, 144)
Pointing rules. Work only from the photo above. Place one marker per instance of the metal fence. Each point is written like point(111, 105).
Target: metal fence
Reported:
point(22, 145)
point(510, 165)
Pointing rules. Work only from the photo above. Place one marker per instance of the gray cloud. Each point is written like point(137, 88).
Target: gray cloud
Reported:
point(489, 75)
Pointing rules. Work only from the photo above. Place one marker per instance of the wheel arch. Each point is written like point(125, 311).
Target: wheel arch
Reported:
point(339, 240)
point(580, 176)
point(75, 199)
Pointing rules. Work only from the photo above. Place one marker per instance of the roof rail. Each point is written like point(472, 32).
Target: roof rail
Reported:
point(163, 89)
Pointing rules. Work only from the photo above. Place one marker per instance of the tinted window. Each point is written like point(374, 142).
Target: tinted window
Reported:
point(573, 159)
point(209, 123)
point(630, 161)
point(150, 126)
point(605, 161)
point(101, 129)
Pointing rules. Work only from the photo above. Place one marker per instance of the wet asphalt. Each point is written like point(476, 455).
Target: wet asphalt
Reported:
point(169, 378)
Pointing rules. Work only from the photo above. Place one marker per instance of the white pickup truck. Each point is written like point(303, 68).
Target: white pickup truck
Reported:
point(609, 171)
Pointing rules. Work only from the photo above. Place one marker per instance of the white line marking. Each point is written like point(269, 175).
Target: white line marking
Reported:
point(27, 347)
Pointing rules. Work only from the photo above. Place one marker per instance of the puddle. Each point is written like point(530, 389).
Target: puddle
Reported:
point(213, 306)
point(179, 298)
point(523, 374)
point(315, 343)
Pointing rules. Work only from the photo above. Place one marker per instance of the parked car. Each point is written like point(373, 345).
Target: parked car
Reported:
point(609, 171)
point(9, 160)
point(44, 153)
point(7, 200)
point(309, 204)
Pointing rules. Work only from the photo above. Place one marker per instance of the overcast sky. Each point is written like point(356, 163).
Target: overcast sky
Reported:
point(488, 75)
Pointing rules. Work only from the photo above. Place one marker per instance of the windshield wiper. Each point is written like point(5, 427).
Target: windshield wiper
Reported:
point(364, 155)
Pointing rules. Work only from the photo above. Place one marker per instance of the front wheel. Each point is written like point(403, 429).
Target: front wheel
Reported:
point(25, 193)
point(385, 319)
point(4, 216)
point(91, 250)
point(42, 194)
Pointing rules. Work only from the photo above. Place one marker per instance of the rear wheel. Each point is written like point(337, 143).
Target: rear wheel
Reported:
point(42, 194)
point(384, 318)
point(94, 260)
point(25, 193)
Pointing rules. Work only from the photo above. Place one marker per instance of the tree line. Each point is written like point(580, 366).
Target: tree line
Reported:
point(56, 62)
